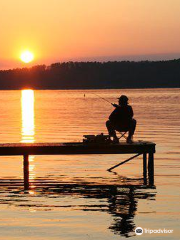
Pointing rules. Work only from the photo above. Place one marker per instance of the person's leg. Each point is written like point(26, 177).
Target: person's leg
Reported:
point(132, 129)
point(111, 130)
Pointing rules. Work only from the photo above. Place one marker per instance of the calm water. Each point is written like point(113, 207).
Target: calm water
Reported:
point(74, 197)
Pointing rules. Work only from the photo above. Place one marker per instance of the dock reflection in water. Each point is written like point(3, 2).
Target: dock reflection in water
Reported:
point(120, 201)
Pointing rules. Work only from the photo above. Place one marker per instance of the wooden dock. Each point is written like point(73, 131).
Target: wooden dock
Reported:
point(73, 148)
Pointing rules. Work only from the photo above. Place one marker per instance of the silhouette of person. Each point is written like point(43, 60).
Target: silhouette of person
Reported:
point(121, 119)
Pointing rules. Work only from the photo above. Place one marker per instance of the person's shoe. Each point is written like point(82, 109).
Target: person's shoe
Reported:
point(129, 140)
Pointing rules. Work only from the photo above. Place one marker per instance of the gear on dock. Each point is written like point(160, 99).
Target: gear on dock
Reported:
point(100, 138)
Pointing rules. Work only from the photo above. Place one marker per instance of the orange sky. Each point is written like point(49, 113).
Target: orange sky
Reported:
point(63, 30)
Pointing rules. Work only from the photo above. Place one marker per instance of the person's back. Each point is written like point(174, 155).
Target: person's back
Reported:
point(121, 116)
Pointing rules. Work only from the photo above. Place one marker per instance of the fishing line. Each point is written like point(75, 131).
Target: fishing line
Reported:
point(102, 98)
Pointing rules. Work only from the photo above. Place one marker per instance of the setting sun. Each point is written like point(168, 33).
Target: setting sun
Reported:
point(27, 57)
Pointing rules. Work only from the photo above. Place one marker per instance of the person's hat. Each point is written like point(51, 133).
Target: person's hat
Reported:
point(123, 98)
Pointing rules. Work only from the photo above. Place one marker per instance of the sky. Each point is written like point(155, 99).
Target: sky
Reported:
point(85, 30)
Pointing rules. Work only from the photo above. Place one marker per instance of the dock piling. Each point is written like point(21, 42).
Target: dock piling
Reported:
point(151, 168)
point(145, 167)
point(144, 164)
point(26, 171)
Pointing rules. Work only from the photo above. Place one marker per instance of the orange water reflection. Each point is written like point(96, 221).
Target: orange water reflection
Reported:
point(28, 125)
point(27, 109)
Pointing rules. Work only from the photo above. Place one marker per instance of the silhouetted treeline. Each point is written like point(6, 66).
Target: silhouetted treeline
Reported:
point(83, 75)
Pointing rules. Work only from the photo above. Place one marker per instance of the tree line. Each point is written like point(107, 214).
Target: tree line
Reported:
point(94, 75)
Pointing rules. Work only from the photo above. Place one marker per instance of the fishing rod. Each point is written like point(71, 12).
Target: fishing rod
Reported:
point(113, 104)
point(103, 98)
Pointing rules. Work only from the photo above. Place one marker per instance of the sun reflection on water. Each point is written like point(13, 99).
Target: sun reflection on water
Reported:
point(27, 106)
point(28, 126)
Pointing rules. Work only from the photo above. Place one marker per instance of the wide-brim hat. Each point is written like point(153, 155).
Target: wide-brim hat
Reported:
point(123, 98)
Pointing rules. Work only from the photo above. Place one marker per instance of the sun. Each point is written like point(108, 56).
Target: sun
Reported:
point(27, 56)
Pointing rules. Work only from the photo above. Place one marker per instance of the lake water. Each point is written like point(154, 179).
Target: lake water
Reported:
point(74, 197)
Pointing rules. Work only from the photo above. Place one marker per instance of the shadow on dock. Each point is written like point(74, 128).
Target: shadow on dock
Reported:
point(119, 201)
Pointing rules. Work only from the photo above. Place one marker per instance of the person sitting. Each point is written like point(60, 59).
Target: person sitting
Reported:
point(121, 120)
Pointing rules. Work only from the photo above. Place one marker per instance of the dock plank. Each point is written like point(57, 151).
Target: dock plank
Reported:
point(7, 149)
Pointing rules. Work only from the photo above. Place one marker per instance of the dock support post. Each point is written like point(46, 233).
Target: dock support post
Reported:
point(151, 168)
point(26, 171)
point(145, 168)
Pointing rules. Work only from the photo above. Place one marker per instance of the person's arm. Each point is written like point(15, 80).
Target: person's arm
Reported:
point(115, 105)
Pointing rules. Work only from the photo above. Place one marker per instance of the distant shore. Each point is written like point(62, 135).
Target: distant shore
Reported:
point(94, 75)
